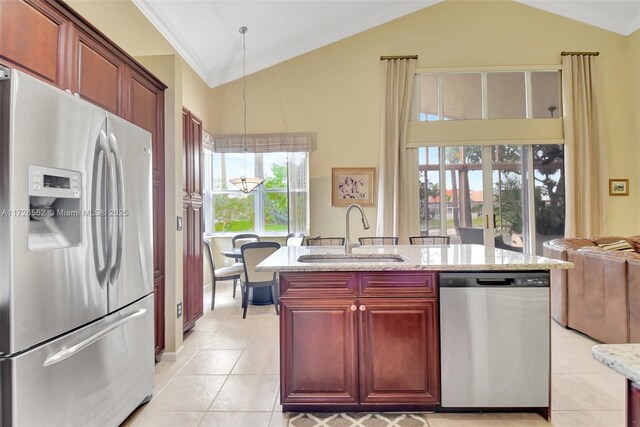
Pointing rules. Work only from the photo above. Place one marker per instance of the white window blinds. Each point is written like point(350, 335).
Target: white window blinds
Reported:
point(264, 143)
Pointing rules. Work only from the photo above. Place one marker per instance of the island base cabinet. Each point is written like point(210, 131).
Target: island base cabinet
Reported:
point(359, 353)
point(398, 351)
point(633, 404)
point(318, 354)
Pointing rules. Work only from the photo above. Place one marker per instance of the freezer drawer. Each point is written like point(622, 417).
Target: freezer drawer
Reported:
point(95, 376)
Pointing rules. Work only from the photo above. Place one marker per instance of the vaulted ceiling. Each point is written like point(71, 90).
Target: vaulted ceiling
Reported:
point(205, 32)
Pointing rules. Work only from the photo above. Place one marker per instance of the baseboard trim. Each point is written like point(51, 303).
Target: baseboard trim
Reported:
point(171, 356)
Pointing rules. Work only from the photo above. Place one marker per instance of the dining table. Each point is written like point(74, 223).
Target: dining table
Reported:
point(257, 296)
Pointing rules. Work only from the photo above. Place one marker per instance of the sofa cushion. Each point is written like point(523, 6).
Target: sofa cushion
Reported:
point(625, 255)
point(619, 245)
point(635, 241)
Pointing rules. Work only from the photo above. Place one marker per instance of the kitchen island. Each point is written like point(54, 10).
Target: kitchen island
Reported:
point(625, 360)
point(360, 331)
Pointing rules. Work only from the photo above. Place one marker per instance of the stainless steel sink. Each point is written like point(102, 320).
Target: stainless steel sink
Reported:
point(350, 258)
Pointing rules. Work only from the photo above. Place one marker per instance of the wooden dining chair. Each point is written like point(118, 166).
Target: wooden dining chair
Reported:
point(325, 241)
point(295, 239)
point(429, 240)
point(378, 240)
point(253, 254)
point(224, 273)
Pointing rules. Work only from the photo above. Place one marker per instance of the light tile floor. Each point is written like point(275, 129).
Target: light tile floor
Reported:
point(227, 376)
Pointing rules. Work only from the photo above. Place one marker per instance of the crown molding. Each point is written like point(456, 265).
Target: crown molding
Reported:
point(173, 36)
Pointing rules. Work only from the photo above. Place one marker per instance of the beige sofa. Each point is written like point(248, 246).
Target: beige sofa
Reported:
point(600, 297)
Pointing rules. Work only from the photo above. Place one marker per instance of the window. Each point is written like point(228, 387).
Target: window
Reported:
point(478, 181)
point(487, 95)
point(513, 192)
point(277, 207)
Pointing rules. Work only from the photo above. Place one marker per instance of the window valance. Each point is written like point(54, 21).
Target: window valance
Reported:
point(264, 143)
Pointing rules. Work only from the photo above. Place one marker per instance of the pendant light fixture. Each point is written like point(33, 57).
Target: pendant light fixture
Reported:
point(246, 185)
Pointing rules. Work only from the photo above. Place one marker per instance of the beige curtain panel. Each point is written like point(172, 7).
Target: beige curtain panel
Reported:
point(585, 162)
point(398, 213)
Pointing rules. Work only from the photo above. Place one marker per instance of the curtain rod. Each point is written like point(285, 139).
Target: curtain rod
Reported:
point(382, 58)
point(580, 53)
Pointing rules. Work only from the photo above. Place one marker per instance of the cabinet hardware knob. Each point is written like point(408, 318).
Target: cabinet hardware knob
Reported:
point(362, 308)
point(353, 307)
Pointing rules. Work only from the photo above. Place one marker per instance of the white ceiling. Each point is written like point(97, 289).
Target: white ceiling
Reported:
point(205, 32)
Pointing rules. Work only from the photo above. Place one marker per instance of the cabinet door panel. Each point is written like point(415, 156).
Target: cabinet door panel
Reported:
point(186, 150)
point(318, 284)
point(398, 351)
point(187, 320)
point(99, 75)
point(196, 154)
point(29, 37)
point(146, 109)
point(196, 294)
point(398, 283)
point(318, 351)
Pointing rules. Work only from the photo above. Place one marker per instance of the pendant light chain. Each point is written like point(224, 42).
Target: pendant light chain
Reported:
point(246, 185)
point(244, 30)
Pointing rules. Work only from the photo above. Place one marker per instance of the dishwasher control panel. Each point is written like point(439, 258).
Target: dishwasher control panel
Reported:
point(532, 282)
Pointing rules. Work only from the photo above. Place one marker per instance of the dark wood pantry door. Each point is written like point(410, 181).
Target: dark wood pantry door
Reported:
point(192, 218)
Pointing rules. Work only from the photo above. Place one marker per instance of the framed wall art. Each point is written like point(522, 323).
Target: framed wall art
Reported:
point(353, 185)
point(618, 187)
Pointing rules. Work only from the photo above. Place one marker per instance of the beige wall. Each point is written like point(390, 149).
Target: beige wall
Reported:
point(125, 25)
point(634, 71)
point(335, 90)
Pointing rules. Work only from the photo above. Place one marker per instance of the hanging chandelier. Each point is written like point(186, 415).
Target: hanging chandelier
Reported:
point(246, 185)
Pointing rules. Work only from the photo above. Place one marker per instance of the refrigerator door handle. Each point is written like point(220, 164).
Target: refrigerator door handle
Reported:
point(119, 212)
point(97, 193)
point(67, 352)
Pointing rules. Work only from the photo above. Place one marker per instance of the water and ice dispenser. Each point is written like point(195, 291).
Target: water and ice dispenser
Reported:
point(55, 208)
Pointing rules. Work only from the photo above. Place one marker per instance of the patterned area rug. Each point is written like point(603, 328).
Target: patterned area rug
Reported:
point(358, 420)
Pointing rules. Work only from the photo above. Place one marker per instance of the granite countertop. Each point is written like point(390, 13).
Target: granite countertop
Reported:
point(622, 358)
point(436, 257)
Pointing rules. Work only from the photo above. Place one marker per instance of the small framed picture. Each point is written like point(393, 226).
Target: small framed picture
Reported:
point(353, 185)
point(618, 187)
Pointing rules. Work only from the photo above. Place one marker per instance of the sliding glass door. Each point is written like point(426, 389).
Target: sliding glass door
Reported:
point(505, 196)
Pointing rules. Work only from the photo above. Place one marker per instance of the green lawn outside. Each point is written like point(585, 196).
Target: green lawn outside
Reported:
point(237, 226)
point(476, 221)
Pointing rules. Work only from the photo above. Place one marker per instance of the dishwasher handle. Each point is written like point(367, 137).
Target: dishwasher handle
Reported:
point(503, 281)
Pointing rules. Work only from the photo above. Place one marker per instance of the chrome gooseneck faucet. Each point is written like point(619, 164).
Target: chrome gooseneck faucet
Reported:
point(348, 246)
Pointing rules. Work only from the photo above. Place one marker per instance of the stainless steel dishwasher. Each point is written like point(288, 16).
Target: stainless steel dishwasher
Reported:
point(494, 339)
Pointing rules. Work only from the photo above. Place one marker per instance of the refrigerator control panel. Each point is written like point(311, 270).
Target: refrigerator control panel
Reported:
point(50, 182)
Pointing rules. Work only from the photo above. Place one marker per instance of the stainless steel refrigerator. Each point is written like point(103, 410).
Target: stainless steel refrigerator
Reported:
point(76, 273)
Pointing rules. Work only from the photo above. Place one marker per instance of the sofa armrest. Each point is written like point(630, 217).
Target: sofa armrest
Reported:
point(557, 249)
point(605, 297)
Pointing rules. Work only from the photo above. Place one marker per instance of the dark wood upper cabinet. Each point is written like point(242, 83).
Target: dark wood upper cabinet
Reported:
point(195, 174)
point(31, 37)
point(186, 160)
point(47, 39)
point(100, 75)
